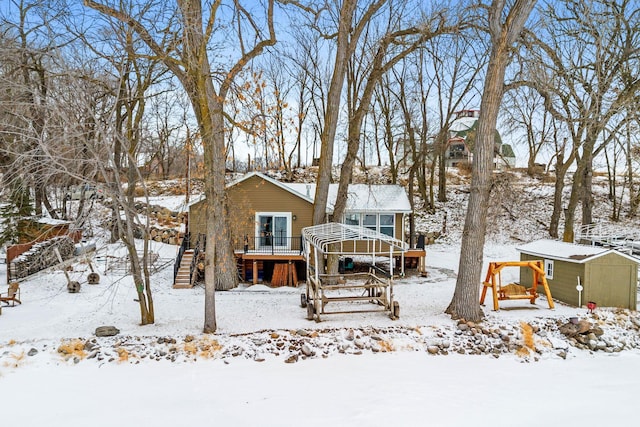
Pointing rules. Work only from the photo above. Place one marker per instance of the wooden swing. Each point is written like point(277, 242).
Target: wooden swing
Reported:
point(514, 291)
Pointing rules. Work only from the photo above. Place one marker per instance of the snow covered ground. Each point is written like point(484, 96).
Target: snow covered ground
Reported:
point(170, 374)
point(269, 366)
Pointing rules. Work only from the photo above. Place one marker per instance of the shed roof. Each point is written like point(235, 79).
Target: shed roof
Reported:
point(570, 252)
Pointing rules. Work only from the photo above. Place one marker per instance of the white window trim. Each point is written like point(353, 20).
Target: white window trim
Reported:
point(548, 266)
point(281, 214)
point(377, 214)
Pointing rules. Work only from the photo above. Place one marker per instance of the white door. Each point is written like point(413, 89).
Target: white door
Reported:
point(273, 230)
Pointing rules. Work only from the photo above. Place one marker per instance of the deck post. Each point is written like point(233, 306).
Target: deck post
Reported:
point(255, 272)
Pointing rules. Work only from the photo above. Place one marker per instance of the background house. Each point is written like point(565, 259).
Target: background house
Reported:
point(608, 277)
point(462, 136)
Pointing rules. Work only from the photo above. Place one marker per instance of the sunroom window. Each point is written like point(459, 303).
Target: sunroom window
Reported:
point(386, 224)
point(382, 223)
point(352, 219)
point(370, 221)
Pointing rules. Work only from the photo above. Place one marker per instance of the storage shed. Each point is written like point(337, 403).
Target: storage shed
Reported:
point(608, 277)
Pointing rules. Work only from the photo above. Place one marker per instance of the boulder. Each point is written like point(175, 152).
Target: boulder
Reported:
point(106, 331)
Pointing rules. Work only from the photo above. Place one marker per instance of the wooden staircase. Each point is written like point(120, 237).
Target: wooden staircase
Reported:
point(183, 278)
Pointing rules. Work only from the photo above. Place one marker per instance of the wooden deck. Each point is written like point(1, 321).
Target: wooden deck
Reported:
point(251, 265)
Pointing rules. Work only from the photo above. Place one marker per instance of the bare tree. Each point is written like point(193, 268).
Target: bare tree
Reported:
point(584, 62)
point(504, 26)
point(457, 64)
point(30, 45)
point(190, 63)
point(525, 111)
point(165, 146)
point(396, 43)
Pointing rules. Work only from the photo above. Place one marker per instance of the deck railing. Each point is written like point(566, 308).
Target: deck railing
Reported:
point(271, 244)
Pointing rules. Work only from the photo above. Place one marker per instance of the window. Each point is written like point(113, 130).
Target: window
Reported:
point(382, 223)
point(273, 229)
point(386, 224)
point(548, 268)
point(370, 221)
point(352, 219)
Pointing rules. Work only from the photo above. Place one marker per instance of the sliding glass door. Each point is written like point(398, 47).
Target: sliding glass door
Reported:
point(273, 230)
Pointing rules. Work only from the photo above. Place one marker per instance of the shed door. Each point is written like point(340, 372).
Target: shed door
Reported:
point(609, 286)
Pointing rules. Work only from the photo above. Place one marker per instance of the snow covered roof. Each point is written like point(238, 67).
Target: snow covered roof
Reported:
point(53, 222)
point(570, 252)
point(462, 124)
point(361, 197)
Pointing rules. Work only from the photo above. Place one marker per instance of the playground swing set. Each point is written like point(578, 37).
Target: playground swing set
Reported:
point(515, 291)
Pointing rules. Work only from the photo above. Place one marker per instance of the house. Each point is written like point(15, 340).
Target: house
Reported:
point(607, 277)
point(462, 136)
point(268, 217)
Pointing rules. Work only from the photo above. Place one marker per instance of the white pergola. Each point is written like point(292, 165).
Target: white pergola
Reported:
point(342, 239)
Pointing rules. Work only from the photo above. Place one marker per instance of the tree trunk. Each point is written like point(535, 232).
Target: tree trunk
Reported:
point(328, 134)
point(465, 302)
point(577, 189)
point(441, 144)
point(557, 201)
point(587, 194)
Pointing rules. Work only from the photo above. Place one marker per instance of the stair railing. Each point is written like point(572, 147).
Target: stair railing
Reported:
point(200, 245)
point(183, 247)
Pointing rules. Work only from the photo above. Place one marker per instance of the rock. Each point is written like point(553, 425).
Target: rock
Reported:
point(291, 359)
point(302, 332)
point(349, 336)
point(463, 327)
point(306, 350)
point(558, 344)
point(584, 326)
point(32, 352)
point(433, 349)
point(106, 331)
